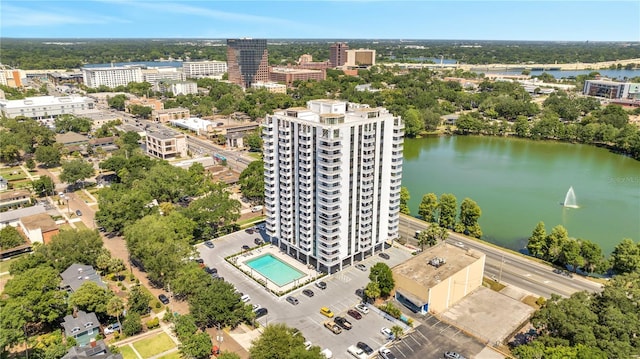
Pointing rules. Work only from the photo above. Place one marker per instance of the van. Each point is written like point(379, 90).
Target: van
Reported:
point(245, 298)
point(256, 209)
point(417, 234)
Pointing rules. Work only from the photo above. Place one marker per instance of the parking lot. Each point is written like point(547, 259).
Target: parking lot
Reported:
point(339, 296)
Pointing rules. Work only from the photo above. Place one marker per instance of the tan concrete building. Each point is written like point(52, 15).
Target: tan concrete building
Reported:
point(169, 114)
point(153, 103)
point(438, 278)
point(166, 144)
point(287, 75)
point(39, 228)
point(360, 57)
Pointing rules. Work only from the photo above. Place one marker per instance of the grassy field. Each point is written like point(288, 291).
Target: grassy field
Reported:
point(174, 355)
point(84, 196)
point(13, 174)
point(127, 352)
point(80, 225)
point(155, 345)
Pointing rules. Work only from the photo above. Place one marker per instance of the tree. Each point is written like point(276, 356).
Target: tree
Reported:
point(9, 153)
point(571, 254)
point(592, 255)
point(91, 298)
point(469, 214)
point(626, 257)
point(428, 207)
point(189, 279)
point(382, 275)
point(49, 156)
point(404, 200)
point(213, 211)
point(115, 308)
point(130, 140)
point(536, 243)
point(117, 102)
point(120, 207)
point(131, 324)
point(278, 341)
point(219, 304)
point(76, 170)
point(554, 242)
point(30, 163)
point(448, 210)
point(71, 123)
point(397, 331)
point(196, 346)
point(372, 290)
point(254, 141)
point(140, 111)
point(12, 323)
point(10, 238)
point(252, 182)
point(413, 122)
point(43, 186)
point(73, 246)
point(138, 301)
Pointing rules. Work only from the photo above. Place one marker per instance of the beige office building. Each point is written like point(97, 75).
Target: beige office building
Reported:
point(360, 57)
point(438, 278)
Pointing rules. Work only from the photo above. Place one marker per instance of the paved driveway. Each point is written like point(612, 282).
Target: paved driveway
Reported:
point(339, 297)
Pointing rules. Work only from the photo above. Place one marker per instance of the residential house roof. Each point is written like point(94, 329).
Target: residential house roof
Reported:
point(40, 220)
point(16, 214)
point(82, 322)
point(77, 274)
point(97, 350)
point(71, 138)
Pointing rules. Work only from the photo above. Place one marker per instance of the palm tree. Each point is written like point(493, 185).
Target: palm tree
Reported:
point(115, 308)
point(397, 331)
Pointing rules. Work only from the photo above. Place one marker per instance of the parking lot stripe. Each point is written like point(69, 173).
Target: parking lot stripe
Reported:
point(420, 334)
point(406, 344)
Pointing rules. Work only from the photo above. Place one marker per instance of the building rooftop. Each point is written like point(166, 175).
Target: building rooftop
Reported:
point(44, 101)
point(420, 270)
point(77, 274)
point(164, 134)
point(71, 137)
point(291, 70)
point(7, 196)
point(10, 216)
point(97, 350)
point(80, 323)
point(40, 220)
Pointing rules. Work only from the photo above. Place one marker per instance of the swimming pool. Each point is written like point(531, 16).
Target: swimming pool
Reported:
point(274, 269)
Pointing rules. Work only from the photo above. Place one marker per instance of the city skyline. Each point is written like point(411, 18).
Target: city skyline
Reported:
point(337, 19)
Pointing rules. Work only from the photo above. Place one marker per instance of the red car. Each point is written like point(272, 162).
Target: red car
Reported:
point(355, 314)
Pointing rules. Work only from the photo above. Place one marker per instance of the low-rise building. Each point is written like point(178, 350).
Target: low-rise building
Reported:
point(60, 78)
point(169, 114)
point(272, 87)
point(438, 278)
point(99, 118)
point(197, 125)
point(71, 138)
point(152, 103)
point(176, 87)
point(95, 350)
point(158, 74)
point(612, 90)
point(39, 228)
point(166, 144)
point(43, 107)
point(14, 199)
point(82, 327)
point(12, 217)
point(107, 144)
point(78, 274)
point(287, 75)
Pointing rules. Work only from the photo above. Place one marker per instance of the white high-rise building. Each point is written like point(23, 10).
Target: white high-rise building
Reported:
point(333, 173)
point(198, 69)
point(111, 76)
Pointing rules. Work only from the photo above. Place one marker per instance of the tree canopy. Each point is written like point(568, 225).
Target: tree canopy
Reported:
point(278, 341)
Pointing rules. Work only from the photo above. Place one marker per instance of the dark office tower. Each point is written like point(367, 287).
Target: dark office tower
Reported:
point(247, 61)
point(338, 54)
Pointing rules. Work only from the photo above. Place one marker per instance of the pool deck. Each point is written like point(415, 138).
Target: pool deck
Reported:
point(309, 273)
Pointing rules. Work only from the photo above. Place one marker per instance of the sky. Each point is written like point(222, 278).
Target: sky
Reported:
point(329, 19)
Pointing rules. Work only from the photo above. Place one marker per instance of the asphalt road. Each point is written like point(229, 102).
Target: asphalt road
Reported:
point(235, 159)
point(510, 268)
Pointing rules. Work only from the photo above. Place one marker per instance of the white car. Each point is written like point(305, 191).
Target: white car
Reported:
point(386, 332)
point(307, 345)
point(245, 298)
point(386, 353)
point(256, 307)
point(362, 308)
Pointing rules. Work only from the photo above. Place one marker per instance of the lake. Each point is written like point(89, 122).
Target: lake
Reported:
point(518, 183)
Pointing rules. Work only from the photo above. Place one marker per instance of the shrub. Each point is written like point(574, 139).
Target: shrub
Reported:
point(153, 323)
point(131, 324)
point(158, 305)
point(540, 301)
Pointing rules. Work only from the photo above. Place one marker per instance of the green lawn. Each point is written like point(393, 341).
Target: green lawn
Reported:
point(153, 346)
point(128, 353)
point(4, 265)
point(174, 355)
point(80, 225)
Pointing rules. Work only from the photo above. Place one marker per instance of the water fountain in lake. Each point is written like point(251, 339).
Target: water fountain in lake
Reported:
point(570, 199)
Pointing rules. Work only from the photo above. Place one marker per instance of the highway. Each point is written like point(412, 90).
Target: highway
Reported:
point(508, 267)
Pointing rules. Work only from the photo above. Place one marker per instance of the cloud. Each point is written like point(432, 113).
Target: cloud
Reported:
point(15, 16)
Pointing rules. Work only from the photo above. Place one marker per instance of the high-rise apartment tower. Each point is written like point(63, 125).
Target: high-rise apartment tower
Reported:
point(247, 61)
point(338, 54)
point(333, 172)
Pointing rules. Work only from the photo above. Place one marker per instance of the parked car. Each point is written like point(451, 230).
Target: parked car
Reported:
point(362, 267)
point(308, 292)
point(261, 312)
point(360, 293)
point(245, 298)
point(357, 352)
point(343, 322)
point(210, 270)
point(453, 355)
point(245, 247)
point(209, 244)
point(321, 285)
point(362, 308)
point(383, 255)
point(163, 298)
point(364, 346)
point(386, 353)
point(78, 213)
point(307, 345)
point(111, 328)
point(354, 313)
point(386, 332)
point(249, 230)
point(293, 300)
point(332, 326)
point(326, 312)
point(257, 241)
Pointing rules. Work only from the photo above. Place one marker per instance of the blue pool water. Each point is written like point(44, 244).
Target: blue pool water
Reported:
point(274, 269)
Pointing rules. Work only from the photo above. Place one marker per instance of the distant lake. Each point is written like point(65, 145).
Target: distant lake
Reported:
point(142, 63)
point(518, 183)
point(613, 74)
